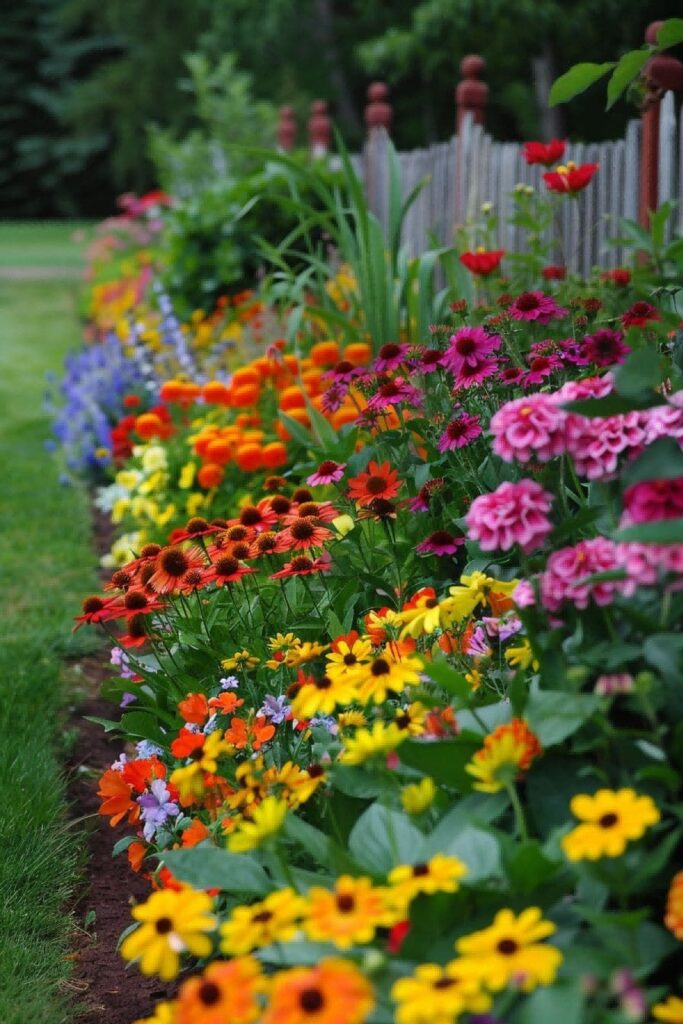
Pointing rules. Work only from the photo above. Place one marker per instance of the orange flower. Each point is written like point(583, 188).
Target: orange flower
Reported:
point(226, 703)
point(136, 854)
point(227, 993)
point(332, 992)
point(379, 481)
point(194, 708)
point(187, 743)
point(241, 734)
point(139, 773)
point(195, 833)
point(673, 917)
point(116, 796)
point(171, 565)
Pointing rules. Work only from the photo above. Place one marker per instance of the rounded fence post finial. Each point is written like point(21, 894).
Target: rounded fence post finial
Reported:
point(378, 111)
point(662, 73)
point(319, 128)
point(471, 94)
point(286, 129)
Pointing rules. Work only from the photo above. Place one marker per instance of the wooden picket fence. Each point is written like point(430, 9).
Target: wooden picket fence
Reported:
point(473, 168)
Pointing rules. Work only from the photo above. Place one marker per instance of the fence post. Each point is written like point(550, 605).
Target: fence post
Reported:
point(286, 129)
point(661, 73)
point(319, 129)
point(471, 94)
point(378, 117)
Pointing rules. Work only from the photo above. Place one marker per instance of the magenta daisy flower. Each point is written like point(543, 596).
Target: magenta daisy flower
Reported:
point(431, 359)
point(469, 348)
point(394, 392)
point(334, 397)
point(440, 543)
point(470, 376)
point(605, 347)
point(540, 367)
point(460, 432)
point(511, 375)
point(328, 472)
point(535, 306)
point(390, 356)
point(344, 373)
point(422, 500)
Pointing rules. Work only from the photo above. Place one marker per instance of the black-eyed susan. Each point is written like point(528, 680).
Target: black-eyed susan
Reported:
point(332, 992)
point(412, 718)
point(265, 822)
point(440, 873)
point(368, 743)
point(416, 797)
point(347, 656)
point(673, 916)
point(507, 752)
point(320, 696)
point(438, 995)
point(347, 915)
point(226, 993)
point(240, 660)
point(610, 820)
point(306, 650)
point(511, 951)
point(388, 675)
point(670, 1011)
point(172, 922)
point(351, 719)
point(275, 919)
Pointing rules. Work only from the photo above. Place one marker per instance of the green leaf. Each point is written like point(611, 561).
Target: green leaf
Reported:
point(123, 844)
point(577, 80)
point(383, 838)
point(655, 860)
point(476, 848)
point(628, 68)
point(664, 531)
point(107, 724)
point(661, 460)
point(640, 371)
point(670, 33)
point(355, 781)
point(554, 715)
point(444, 760)
point(528, 867)
point(448, 678)
point(561, 1002)
point(321, 846)
point(208, 867)
point(140, 724)
point(613, 405)
point(298, 432)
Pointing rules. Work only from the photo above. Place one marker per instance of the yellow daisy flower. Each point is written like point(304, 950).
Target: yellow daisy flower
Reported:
point(266, 820)
point(371, 743)
point(510, 950)
point(164, 1013)
point(438, 995)
point(670, 1011)
point(347, 658)
point(303, 652)
point(275, 919)
point(321, 696)
point(240, 659)
point(439, 874)
point(412, 718)
point(418, 796)
point(610, 820)
point(171, 923)
point(346, 916)
point(388, 675)
point(351, 719)
point(507, 752)
point(473, 590)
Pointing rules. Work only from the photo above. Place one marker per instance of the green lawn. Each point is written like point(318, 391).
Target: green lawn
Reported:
point(46, 565)
point(52, 244)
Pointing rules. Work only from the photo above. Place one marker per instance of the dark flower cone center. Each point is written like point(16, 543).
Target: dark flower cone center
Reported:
point(389, 351)
point(420, 870)
point(465, 346)
point(375, 485)
point(527, 301)
point(250, 516)
point(323, 684)
point(350, 659)
point(608, 820)
point(135, 599)
point(507, 947)
point(174, 562)
point(380, 667)
point(92, 604)
point(302, 530)
point(327, 467)
point(227, 566)
point(301, 564)
point(209, 994)
point(237, 533)
point(150, 551)
point(263, 917)
point(164, 925)
point(343, 367)
point(280, 505)
point(444, 983)
point(197, 525)
point(345, 902)
point(308, 510)
point(311, 1000)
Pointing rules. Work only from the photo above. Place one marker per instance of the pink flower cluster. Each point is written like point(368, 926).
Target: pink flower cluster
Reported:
point(512, 514)
point(468, 356)
point(568, 572)
point(652, 500)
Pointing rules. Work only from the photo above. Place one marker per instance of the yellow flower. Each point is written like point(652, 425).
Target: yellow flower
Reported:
point(299, 785)
point(266, 821)
point(670, 1011)
point(425, 616)
point(474, 590)
point(186, 476)
point(388, 675)
point(305, 651)
point(611, 819)
point(343, 525)
point(121, 507)
point(347, 916)
point(189, 779)
point(439, 874)
point(195, 503)
point(128, 478)
point(510, 950)
point(371, 743)
point(412, 718)
point(522, 656)
point(164, 1013)
point(154, 458)
point(474, 678)
point(418, 796)
point(240, 659)
point(351, 719)
point(321, 696)
point(172, 922)
point(275, 919)
point(346, 660)
point(438, 995)
point(507, 752)
point(163, 518)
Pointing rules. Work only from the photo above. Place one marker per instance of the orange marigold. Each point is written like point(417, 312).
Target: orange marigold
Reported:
point(673, 916)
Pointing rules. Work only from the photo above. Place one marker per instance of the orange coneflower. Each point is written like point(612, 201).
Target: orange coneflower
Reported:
point(379, 481)
point(324, 511)
point(304, 533)
point(303, 566)
point(196, 527)
point(171, 565)
point(227, 570)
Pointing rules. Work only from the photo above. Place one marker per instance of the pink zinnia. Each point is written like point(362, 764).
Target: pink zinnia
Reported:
point(605, 347)
point(328, 472)
point(589, 387)
point(469, 348)
point(512, 514)
point(460, 432)
point(395, 392)
point(529, 428)
point(535, 306)
point(440, 543)
point(596, 443)
point(569, 570)
point(652, 500)
point(664, 420)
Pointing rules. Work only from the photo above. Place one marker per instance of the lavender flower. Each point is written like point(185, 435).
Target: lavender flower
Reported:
point(157, 808)
point(275, 709)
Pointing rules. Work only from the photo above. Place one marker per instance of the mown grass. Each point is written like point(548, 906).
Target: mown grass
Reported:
point(46, 565)
point(36, 244)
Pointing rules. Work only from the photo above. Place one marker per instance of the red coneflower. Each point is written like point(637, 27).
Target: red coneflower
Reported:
point(259, 517)
point(195, 527)
point(227, 570)
point(95, 609)
point(138, 602)
point(378, 481)
point(171, 565)
point(304, 533)
point(322, 510)
point(267, 543)
point(303, 566)
point(440, 543)
point(280, 504)
point(639, 314)
point(137, 633)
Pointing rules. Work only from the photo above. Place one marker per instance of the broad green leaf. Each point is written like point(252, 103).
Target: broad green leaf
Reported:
point(563, 1001)
point(143, 726)
point(665, 531)
point(554, 715)
point(640, 370)
point(123, 844)
point(448, 678)
point(661, 460)
point(670, 33)
point(444, 760)
point(477, 849)
point(628, 68)
point(321, 846)
point(383, 838)
point(577, 80)
point(208, 867)
point(528, 867)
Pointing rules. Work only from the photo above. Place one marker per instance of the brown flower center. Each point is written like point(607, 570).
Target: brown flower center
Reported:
point(280, 505)
point(227, 566)
point(350, 659)
point(263, 916)
point(150, 551)
point(301, 564)
point(302, 494)
point(174, 562)
point(135, 599)
point(608, 820)
point(345, 902)
point(209, 993)
point(420, 870)
point(311, 1000)
point(197, 525)
point(164, 925)
point(527, 301)
point(375, 484)
point(507, 947)
point(380, 667)
point(237, 533)
point(250, 516)
point(92, 604)
point(303, 530)
point(389, 351)
point(327, 467)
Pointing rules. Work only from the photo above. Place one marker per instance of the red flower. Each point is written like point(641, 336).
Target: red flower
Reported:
point(554, 273)
point(619, 277)
point(570, 179)
point(545, 153)
point(379, 481)
point(481, 262)
point(639, 314)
